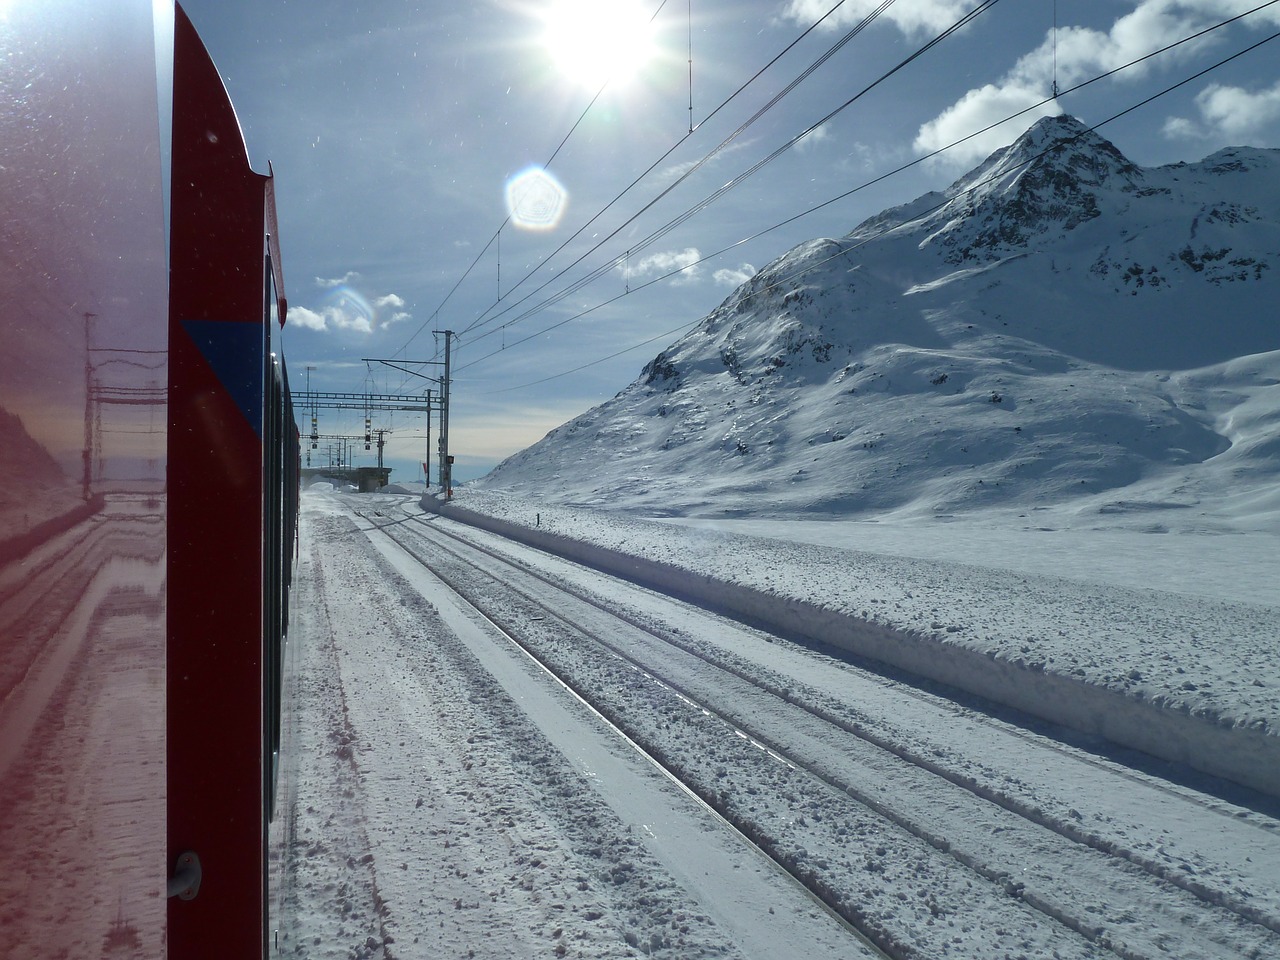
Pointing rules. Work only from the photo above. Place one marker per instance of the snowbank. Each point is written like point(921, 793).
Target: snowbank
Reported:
point(407, 487)
point(1185, 678)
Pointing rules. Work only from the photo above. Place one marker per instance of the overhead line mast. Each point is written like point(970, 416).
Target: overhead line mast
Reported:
point(368, 402)
point(446, 459)
point(691, 66)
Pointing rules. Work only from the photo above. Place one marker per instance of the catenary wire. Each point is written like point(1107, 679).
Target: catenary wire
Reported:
point(689, 213)
point(845, 250)
point(619, 196)
point(605, 268)
point(484, 317)
point(497, 233)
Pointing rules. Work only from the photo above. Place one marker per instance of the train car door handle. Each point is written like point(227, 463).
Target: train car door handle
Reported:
point(185, 882)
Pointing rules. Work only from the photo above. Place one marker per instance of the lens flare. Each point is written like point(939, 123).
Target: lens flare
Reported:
point(535, 200)
point(348, 309)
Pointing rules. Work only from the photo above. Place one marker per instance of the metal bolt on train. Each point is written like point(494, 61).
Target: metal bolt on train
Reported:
point(148, 493)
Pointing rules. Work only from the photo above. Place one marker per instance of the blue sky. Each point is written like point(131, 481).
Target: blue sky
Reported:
point(396, 128)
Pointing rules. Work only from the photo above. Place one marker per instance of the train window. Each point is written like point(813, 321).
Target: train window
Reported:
point(83, 521)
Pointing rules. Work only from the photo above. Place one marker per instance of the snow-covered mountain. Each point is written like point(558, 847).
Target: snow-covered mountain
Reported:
point(24, 459)
point(33, 488)
point(1057, 326)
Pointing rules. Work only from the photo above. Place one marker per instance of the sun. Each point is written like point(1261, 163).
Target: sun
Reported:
point(592, 41)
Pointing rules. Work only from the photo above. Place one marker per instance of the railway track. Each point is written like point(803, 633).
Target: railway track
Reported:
point(914, 854)
point(48, 598)
point(509, 629)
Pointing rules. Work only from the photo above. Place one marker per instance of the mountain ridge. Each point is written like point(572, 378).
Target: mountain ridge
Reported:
point(1030, 330)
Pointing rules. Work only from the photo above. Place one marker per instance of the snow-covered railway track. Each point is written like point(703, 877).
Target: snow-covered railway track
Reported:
point(810, 702)
point(1098, 895)
point(29, 612)
point(502, 815)
point(43, 591)
point(507, 627)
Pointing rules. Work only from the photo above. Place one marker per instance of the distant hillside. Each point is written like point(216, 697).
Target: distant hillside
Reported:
point(33, 487)
point(1058, 325)
point(22, 459)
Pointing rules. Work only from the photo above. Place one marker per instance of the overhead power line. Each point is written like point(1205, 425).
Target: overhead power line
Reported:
point(789, 278)
point(721, 106)
point(497, 233)
point(701, 205)
point(484, 317)
point(647, 172)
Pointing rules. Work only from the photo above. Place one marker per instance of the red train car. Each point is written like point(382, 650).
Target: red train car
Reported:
point(148, 480)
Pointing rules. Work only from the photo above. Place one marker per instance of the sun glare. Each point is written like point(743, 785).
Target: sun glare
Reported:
point(593, 41)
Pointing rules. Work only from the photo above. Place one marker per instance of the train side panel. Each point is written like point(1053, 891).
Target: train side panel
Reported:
point(218, 364)
point(148, 492)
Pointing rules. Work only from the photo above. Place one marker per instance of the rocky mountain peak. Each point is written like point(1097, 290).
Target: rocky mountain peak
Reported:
point(1053, 152)
point(1050, 180)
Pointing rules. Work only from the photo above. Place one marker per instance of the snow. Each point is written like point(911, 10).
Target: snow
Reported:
point(997, 472)
point(1185, 671)
point(408, 486)
point(1020, 436)
point(439, 805)
point(450, 803)
point(1060, 328)
point(33, 489)
point(81, 764)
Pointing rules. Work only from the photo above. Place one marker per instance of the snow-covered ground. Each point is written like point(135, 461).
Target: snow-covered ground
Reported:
point(447, 801)
point(1103, 630)
point(443, 802)
point(1019, 436)
point(1013, 445)
point(82, 707)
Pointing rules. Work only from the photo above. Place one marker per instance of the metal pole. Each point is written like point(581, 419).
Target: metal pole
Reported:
point(446, 468)
point(88, 408)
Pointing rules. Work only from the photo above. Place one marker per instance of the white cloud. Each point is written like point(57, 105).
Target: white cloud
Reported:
point(735, 277)
point(815, 136)
point(346, 278)
point(977, 109)
point(675, 171)
point(302, 317)
point(346, 309)
point(391, 310)
point(1180, 128)
point(1081, 53)
point(665, 262)
point(330, 317)
point(909, 16)
point(1237, 113)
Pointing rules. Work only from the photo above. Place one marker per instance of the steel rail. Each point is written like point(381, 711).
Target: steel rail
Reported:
point(1026, 811)
point(821, 897)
